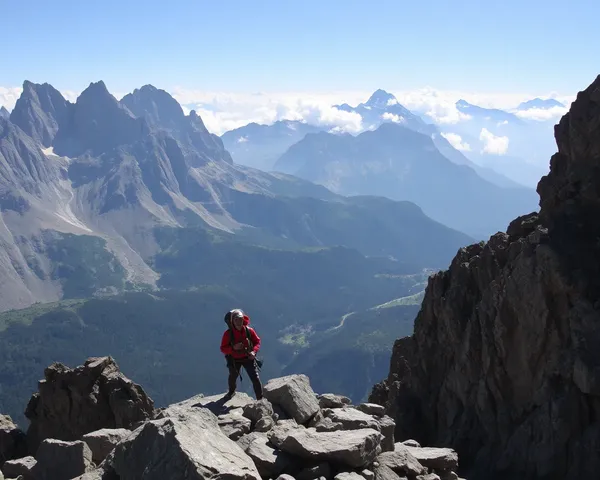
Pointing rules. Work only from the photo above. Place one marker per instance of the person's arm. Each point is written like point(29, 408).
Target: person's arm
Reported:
point(226, 347)
point(255, 340)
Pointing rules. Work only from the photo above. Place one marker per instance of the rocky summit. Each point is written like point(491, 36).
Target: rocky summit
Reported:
point(292, 433)
point(503, 365)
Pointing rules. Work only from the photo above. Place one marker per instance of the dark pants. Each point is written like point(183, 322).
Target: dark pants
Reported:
point(252, 371)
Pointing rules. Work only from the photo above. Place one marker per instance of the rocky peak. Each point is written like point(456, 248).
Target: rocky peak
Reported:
point(503, 363)
point(291, 433)
point(157, 106)
point(4, 113)
point(381, 99)
point(40, 111)
point(98, 124)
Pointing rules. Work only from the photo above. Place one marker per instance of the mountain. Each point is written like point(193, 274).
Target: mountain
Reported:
point(543, 104)
point(503, 363)
point(104, 177)
point(492, 115)
point(402, 164)
point(4, 113)
point(259, 146)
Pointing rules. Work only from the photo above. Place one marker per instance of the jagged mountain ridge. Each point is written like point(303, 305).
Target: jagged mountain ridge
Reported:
point(503, 363)
point(94, 169)
point(402, 164)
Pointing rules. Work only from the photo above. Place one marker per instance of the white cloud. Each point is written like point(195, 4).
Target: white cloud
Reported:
point(9, 96)
point(392, 101)
point(393, 117)
point(493, 144)
point(499, 124)
point(457, 142)
point(542, 115)
point(242, 140)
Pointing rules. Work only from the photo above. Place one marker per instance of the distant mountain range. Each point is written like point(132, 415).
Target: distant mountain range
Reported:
point(88, 189)
point(400, 163)
point(543, 104)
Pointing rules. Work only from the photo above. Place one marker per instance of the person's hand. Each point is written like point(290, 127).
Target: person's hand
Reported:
point(238, 346)
point(252, 355)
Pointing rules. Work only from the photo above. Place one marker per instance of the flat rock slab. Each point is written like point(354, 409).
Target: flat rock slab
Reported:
point(348, 476)
point(386, 473)
point(435, 458)
point(186, 444)
point(330, 400)
point(372, 409)
point(351, 418)
point(217, 404)
point(102, 442)
point(401, 461)
point(355, 448)
point(234, 424)
point(295, 395)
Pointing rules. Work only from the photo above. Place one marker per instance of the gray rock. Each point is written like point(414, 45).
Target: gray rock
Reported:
point(234, 424)
point(13, 443)
point(322, 470)
point(435, 458)
point(98, 474)
point(245, 441)
point(217, 404)
point(269, 461)
point(187, 444)
point(387, 428)
point(386, 473)
point(20, 467)
point(447, 475)
point(351, 418)
point(73, 402)
point(368, 474)
point(261, 415)
point(429, 476)
point(411, 443)
point(295, 395)
point(349, 476)
point(355, 448)
point(372, 409)
point(60, 460)
point(285, 476)
point(101, 442)
point(281, 430)
point(330, 400)
point(401, 461)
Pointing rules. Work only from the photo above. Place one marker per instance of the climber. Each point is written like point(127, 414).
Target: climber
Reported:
point(240, 344)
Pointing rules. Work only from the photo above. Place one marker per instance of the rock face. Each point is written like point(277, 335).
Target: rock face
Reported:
point(12, 440)
point(58, 460)
point(503, 365)
point(103, 441)
point(73, 402)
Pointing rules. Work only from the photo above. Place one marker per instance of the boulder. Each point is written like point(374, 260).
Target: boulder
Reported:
point(285, 476)
point(261, 415)
point(281, 430)
point(348, 476)
point(411, 443)
point(269, 461)
point(383, 472)
point(428, 476)
point(387, 426)
point(102, 442)
point(185, 443)
point(435, 458)
point(60, 460)
point(218, 404)
point(20, 467)
point(234, 424)
point(351, 419)
point(73, 402)
point(354, 448)
point(401, 461)
point(372, 409)
point(368, 474)
point(321, 470)
point(295, 395)
point(330, 400)
point(245, 440)
point(13, 443)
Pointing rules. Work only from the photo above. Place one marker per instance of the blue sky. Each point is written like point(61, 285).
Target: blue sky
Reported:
point(508, 46)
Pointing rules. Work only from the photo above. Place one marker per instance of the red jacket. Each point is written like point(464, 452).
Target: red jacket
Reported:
point(240, 336)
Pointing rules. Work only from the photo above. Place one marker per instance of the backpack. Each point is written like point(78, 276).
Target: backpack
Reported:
point(227, 320)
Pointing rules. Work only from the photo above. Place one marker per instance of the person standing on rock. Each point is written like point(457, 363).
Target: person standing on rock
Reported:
point(240, 344)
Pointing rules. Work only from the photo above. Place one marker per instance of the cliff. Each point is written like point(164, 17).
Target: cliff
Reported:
point(504, 362)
